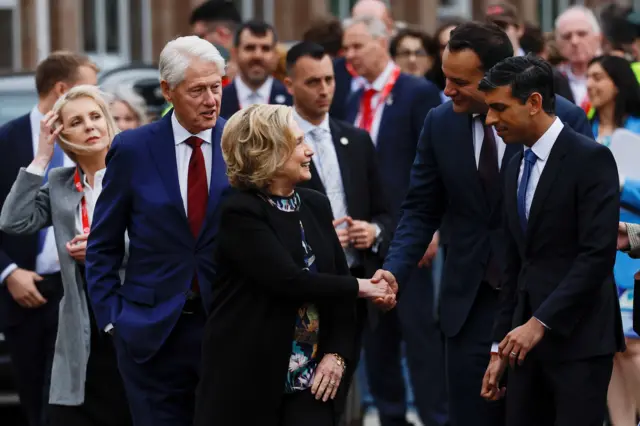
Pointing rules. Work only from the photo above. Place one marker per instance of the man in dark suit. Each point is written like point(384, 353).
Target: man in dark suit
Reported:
point(392, 106)
point(559, 320)
point(163, 184)
point(456, 183)
point(255, 54)
point(30, 280)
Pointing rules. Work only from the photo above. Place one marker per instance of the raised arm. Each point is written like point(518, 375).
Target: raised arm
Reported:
point(26, 209)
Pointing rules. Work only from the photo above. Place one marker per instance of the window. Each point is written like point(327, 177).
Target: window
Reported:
point(458, 8)
point(107, 31)
point(342, 8)
point(10, 53)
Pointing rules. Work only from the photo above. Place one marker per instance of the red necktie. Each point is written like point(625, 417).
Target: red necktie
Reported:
point(366, 121)
point(197, 191)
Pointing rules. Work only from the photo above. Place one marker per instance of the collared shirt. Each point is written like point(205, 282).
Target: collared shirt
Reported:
point(183, 155)
point(542, 149)
point(378, 84)
point(577, 83)
point(247, 96)
point(91, 195)
point(478, 139)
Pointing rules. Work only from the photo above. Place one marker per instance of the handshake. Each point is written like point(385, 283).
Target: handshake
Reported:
point(381, 289)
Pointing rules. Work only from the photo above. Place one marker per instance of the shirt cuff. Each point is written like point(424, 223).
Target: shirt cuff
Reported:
point(108, 328)
point(634, 238)
point(7, 271)
point(543, 324)
point(495, 348)
point(34, 169)
point(376, 243)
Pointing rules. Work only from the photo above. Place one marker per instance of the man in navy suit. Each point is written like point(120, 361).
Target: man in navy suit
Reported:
point(255, 54)
point(559, 322)
point(392, 107)
point(163, 184)
point(456, 183)
point(30, 282)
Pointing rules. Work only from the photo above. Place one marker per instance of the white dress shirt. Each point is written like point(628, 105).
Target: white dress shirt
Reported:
point(378, 84)
point(247, 96)
point(183, 155)
point(47, 260)
point(578, 84)
point(477, 129)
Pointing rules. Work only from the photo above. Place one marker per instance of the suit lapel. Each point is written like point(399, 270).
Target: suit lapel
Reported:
point(510, 151)
point(23, 142)
point(279, 95)
point(511, 198)
point(219, 181)
point(548, 177)
point(163, 152)
point(67, 211)
point(315, 182)
point(353, 106)
point(230, 103)
point(461, 138)
point(342, 152)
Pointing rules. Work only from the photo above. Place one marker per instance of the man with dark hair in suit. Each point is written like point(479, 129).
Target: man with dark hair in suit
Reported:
point(30, 283)
point(255, 53)
point(456, 182)
point(559, 321)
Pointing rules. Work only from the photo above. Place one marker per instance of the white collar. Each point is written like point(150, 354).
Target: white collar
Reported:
point(381, 80)
point(542, 147)
point(180, 134)
point(245, 92)
point(307, 127)
point(35, 116)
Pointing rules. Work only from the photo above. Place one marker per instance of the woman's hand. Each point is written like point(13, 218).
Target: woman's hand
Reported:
point(77, 247)
point(47, 140)
point(327, 378)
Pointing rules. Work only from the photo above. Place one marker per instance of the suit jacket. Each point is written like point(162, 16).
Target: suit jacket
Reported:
point(141, 195)
point(364, 192)
point(561, 269)
point(343, 92)
point(400, 126)
point(28, 209)
point(261, 283)
point(231, 104)
point(16, 151)
point(446, 191)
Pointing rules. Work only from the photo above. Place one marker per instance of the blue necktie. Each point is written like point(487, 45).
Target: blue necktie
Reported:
point(57, 160)
point(530, 159)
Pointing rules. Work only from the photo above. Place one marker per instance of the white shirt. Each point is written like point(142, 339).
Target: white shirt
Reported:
point(542, 149)
point(577, 83)
point(477, 129)
point(247, 96)
point(183, 155)
point(378, 84)
point(307, 128)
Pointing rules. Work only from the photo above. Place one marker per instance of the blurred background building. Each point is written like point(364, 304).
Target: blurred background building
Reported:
point(118, 32)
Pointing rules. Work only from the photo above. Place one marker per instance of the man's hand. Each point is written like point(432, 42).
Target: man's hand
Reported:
point(623, 237)
point(491, 390)
point(431, 252)
point(77, 247)
point(362, 234)
point(519, 342)
point(343, 232)
point(389, 302)
point(22, 286)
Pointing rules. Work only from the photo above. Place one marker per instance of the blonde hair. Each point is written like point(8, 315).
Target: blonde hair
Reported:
point(84, 91)
point(127, 95)
point(256, 142)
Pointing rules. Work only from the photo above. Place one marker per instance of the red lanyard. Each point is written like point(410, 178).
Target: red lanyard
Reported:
point(384, 94)
point(83, 203)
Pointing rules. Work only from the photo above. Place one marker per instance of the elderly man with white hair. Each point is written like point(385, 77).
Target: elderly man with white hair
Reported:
point(579, 39)
point(163, 184)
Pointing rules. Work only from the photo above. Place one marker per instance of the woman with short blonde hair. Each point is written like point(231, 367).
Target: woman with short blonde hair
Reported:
point(280, 336)
point(128, 108)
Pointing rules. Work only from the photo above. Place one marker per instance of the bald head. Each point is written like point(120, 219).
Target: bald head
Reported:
point(375, 9)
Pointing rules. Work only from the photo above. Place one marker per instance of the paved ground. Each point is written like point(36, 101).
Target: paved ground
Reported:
point(371, 419)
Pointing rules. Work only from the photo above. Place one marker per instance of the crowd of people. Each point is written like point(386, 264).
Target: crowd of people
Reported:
point(267, 247)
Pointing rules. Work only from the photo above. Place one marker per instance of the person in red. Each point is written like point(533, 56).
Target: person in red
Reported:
point(392, 107)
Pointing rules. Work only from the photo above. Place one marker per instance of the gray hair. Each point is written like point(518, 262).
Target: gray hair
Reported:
point(588, 14)
point(375, 26)
point(178, 54)
point(128, 96)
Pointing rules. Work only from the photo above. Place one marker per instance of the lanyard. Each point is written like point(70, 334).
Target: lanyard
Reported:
point(384, 94)
point(83, 203)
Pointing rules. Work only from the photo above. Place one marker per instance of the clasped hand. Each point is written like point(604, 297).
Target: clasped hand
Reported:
point(357, 234)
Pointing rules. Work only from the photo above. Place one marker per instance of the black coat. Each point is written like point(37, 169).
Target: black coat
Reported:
point(261, 282)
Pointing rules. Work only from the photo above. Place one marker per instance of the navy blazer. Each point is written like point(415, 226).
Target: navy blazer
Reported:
point(445, 190)
point(231, 104)
point(400, 126)
point(16, 151)
point(141, 195)
point(342, 91)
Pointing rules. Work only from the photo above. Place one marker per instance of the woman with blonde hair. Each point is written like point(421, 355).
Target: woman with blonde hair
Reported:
point(280, 337)
point(128, 108)
point(86, 388)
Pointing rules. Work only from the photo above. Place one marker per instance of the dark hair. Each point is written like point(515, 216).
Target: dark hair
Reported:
point(425, 39)
point(435, 74)
point(532, 40)
point(327, 32)
point(526, 75)
point(302, 49)
point(257, 28)
point(627, 100)
point(485, 39)
point(216, 10)
point(61, 66)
